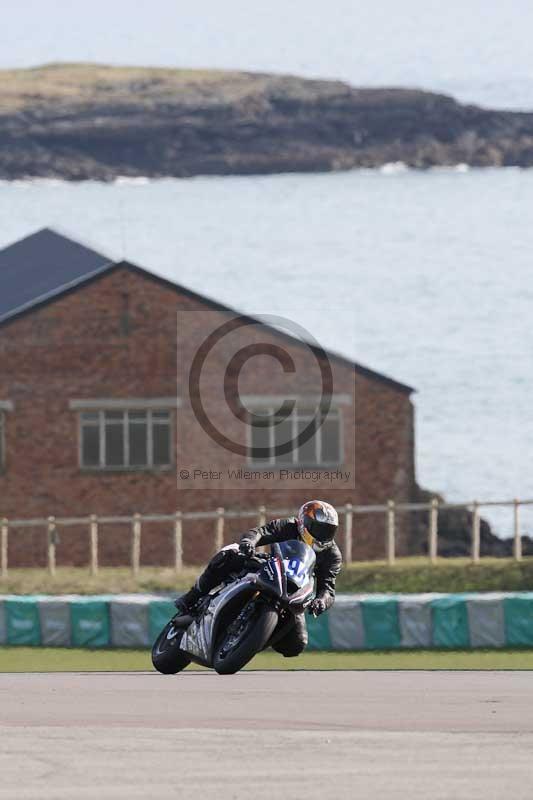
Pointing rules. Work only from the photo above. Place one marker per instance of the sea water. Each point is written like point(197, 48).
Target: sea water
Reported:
point(425, 276)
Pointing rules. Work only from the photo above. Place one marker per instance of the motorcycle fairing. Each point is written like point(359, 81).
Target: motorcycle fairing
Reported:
point(299, 561)
point(198, 639)
point(291, 561)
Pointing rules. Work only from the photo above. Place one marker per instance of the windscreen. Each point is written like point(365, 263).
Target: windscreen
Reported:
point(299, 561)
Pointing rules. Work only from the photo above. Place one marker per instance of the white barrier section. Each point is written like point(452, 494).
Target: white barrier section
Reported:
point(346, 628)
point(415, 620)
point(54, 617)
point(129, 622)
point(486, 620)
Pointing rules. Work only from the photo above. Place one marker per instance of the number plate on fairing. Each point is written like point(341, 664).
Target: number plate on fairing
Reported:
point(299, 561)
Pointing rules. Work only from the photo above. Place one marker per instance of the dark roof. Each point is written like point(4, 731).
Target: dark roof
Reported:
point(46, 265)
point(42, 266)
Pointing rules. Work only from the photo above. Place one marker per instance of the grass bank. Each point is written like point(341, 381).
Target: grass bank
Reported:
point(447, 575)
point(407, 575)
point(41, 659)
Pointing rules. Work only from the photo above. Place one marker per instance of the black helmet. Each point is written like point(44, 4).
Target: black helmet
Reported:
point(317, 524)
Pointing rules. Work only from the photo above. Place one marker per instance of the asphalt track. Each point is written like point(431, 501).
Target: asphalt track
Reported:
point(259, 735)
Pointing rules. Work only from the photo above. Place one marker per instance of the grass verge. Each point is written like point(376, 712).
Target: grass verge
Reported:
point(407, 575)
point(447, 575)
point(110, 580)
point(41, 659)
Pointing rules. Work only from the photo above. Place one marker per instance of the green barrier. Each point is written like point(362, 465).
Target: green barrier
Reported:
point(318, 629)
point(89, 623)
point(381, 623)
point(518, 617)
point(22, 621)
point(450, 622)
point(159, 613)
point(371, 623)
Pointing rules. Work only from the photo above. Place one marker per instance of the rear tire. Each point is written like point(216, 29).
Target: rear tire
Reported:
point(167, 657)
point(254, 638)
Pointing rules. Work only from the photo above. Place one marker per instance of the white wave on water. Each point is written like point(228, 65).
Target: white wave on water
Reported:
point(390, 168)
point(393, 168)
point(51, 183)
point(129, 180)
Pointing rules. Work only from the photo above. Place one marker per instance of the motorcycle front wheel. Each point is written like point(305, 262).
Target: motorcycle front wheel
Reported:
point(237, 648)
point(167, 657)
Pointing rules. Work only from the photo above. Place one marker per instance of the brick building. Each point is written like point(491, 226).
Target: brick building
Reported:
point(99, 412)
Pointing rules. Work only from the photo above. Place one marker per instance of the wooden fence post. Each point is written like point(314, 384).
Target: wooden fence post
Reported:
point(136, 544)
point(4, 534)
point(178, 542)
point(391, 532)
point(219, 530)
point(475, 531)
point(261, 520)
point(51, 528)
point(93, 544)
point(348, 522)
point(517, 540)
point(433, 530)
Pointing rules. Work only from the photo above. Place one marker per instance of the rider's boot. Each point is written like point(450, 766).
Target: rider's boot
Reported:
point(186, 603)
point(216, 571)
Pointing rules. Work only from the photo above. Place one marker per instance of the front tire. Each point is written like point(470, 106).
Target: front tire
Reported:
point(167, 657)
point(258, 630)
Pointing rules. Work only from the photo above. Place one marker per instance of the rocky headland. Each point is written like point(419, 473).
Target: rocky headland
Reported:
point(455, 532)
point(79, 121)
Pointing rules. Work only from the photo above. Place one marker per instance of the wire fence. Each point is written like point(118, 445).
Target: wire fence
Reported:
point(349, 514)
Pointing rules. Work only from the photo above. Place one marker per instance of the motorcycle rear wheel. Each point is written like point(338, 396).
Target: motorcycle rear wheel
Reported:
point(254, 637)
point(167, 657)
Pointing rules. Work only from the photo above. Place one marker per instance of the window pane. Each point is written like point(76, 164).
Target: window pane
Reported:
point(260, 440)
point(137, 416)
point(114, 416)
point(138, 440)
point(90, 416)
point(114, 445)
point(161, 439)
point(283, 435)
point(307, 450)
point(90, 446)
point(331, 449)
point(161, 415)
point(1, 440)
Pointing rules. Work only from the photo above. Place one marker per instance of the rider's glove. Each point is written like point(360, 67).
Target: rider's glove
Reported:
point(246, 548)
point(317, 607)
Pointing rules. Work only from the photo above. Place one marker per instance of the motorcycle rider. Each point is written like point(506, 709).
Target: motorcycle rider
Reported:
point(316, 524)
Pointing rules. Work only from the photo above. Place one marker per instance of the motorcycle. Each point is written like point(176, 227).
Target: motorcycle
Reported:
point(236, 620)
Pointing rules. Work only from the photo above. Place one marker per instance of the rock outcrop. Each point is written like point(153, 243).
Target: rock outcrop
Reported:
point(92, 122)
point(455, 533)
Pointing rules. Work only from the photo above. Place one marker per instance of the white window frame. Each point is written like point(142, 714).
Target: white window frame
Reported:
point(101, 424)
point(299, 413)
point(124, 403)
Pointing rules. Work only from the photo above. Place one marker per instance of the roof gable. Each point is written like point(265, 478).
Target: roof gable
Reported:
point(319, 351)
point(42, 266)
point(45, 265)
